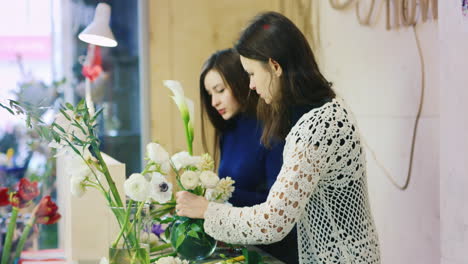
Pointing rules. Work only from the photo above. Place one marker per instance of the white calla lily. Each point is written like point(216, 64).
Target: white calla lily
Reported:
point(186, 108)
point(178, 97)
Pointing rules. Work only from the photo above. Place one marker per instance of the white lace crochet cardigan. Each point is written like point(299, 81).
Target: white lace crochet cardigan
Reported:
point(322, 187)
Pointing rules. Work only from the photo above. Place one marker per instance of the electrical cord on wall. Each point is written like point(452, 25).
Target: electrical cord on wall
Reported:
point(415, 128)
point(366, 21)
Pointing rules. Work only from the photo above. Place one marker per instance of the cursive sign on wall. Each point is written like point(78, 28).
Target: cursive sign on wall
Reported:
point(398, 12)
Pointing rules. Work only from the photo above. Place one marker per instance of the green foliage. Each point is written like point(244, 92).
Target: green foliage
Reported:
point(252, 257)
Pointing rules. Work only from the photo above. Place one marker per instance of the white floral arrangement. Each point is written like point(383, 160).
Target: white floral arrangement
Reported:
point(73, 134)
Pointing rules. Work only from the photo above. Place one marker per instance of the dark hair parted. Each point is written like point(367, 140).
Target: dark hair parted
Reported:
point(227, 63)
point(273, 36)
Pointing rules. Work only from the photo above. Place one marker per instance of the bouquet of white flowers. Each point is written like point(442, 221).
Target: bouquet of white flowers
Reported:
point(73, 132)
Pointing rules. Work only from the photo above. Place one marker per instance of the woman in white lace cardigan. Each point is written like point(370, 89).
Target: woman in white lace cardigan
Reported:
point(322, 186)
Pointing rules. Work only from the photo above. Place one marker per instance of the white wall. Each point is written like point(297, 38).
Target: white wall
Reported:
point(453, 133)
point(378, 73)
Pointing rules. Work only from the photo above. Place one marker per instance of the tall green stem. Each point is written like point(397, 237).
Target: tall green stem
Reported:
point(109, 179)
point(187, 136)
point(24, 236)
point(137, 217)
point(124, 225)
point(9, 236)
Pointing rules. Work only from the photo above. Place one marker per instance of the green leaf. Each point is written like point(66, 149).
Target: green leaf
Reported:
point(58, 127)
point(196, 228)
point(80, 104)
point(166, 220)
point(7, 108)
point(78, 141)
point(96, 115)
point(73, 147)
point(167, 233)
point(69, 106)
point(198, 190)
point(76, 124)
point(193, 233)
point(65, 114)
point(181, 228)
point(180, 240)
point(56, 136)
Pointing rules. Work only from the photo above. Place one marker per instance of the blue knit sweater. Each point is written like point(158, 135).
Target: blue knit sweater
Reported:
point(248, 162)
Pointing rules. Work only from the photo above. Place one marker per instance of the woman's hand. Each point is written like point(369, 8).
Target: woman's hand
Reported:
point(191, 205)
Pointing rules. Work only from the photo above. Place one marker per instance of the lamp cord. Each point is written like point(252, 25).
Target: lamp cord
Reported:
point(415, 128)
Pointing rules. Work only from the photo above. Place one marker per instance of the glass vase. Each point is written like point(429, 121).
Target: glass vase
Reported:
point(189, 240)
point(124, 255)
point(127, 245)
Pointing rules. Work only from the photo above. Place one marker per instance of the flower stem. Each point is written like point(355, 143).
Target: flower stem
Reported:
point(24, 236)
point(177, 176)
point(187, 136)
point(160, 247)
point(9, 236)
point(109, 179)
point(124, 225)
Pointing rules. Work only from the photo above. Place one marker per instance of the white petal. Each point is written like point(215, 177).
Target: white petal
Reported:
point(137, 188)
point(175, 87)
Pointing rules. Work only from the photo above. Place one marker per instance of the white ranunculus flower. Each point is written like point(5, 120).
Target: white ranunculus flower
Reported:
point(137, 188)
point(209, 179)
point(171, 260)
point(183, 159)
point(157, 153)
point(161, 189)
point(77, 186)
point(189, 179)
point(104, 261)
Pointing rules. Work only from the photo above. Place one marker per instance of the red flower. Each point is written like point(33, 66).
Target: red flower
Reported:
point(27, 190)
point(46, 212)
point(17, 201)
point(48, 220)
point(4, 196)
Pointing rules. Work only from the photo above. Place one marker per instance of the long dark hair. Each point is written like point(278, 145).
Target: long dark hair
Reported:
point(227, 63)
point(273, 36)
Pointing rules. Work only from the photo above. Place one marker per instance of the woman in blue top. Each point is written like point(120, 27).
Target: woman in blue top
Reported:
point(231, 108)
